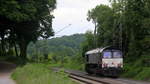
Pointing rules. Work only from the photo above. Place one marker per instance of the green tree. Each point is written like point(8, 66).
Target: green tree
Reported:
point(88, 43)
point(104, 17)
point(124, 24)
point(27, 20)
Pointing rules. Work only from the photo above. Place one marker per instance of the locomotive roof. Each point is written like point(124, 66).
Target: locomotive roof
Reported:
point(99, 50)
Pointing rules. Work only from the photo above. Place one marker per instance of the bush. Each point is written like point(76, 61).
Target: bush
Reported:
point(133, 71)
point(76, 63)
point(39, 74)
point(137, 70)
point(144, 74)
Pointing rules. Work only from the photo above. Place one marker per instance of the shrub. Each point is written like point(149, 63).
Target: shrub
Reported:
point(144, 74)
point(39, 74)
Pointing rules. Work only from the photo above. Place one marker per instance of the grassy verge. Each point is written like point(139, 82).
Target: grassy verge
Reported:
point(138, 70)
point(69, 65)
point(138, 73)
point(39, 74)
point(76, 63)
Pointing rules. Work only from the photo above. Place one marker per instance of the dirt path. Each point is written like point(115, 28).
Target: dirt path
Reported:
point(5, 72)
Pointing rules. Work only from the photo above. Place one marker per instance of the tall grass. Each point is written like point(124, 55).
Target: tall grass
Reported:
point(144, 74)
point(39, 74)
point(137, 70)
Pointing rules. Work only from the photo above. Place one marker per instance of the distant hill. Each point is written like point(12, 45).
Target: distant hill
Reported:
point(72, 41)
point(67, 45)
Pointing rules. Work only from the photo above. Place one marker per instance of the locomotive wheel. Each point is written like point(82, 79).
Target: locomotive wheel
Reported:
point(88, 69)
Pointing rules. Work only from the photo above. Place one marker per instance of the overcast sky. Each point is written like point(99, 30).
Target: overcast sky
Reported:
point(73, 12)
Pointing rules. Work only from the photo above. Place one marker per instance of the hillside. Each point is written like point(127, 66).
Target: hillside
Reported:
point(56, 48)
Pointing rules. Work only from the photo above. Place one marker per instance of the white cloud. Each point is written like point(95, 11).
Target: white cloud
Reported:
point(74, 12)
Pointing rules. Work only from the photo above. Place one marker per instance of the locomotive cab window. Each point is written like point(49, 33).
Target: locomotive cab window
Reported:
point(117, 54)
point(107, 54)
point(112, 54)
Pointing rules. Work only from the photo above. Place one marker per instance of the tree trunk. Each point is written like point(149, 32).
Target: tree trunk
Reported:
point(16, 49)
point(0, 48)
point(23, 50)
point(2, 45)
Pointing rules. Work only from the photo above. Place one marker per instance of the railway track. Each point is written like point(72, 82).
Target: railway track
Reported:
point(82, 78)
point(86, 80)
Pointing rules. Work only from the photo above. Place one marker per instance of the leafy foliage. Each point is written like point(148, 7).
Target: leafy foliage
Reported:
point(23, 21)
point(124, 24)
point(61, 50)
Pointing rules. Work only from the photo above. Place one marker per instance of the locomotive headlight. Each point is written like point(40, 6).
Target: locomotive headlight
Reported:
point(120, 65)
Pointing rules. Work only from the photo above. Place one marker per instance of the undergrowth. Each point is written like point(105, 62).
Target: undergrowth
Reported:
point(138, 70)
point(39, 74)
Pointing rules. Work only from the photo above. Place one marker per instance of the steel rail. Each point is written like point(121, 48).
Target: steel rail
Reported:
point(79, 77)
point(86, 77)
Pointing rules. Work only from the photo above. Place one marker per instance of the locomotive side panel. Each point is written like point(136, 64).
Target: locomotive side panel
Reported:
point(93, 58)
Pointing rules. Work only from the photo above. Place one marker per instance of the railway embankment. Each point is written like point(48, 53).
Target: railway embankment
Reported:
point(85, 77)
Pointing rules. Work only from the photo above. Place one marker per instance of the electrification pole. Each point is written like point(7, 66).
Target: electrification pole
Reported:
point(95, 35)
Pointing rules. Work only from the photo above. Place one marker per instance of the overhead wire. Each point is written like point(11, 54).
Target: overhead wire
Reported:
point(63, 28)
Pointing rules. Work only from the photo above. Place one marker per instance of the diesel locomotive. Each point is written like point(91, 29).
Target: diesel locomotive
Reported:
point(107, 61)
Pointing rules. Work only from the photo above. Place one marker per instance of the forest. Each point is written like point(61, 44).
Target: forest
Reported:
point(125, 24)
point(62, 51)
